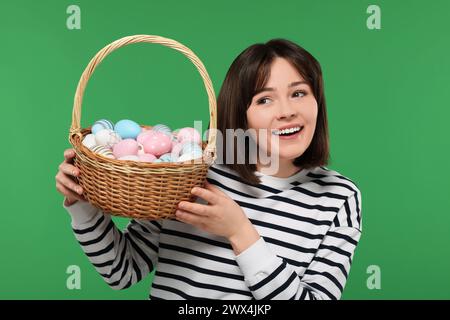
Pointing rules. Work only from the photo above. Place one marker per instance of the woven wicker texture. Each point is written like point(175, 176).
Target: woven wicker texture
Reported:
point(137, 189)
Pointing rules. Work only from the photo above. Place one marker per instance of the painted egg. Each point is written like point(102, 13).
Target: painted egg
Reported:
point(194, 154)
point(143, 135)
point(175, 134)
point(104, 151)
point(127, 129)
point(102, 124)
point(157, 161)
point(189, 134)
point(146, 157)
point(107, 137)
point(176, 149)
point(190, 147)
point(89, 141)
point(162, 128)
point(127, 147)
point(157, 144)
point(187, 157)
point(130, 158)
point(167, 157)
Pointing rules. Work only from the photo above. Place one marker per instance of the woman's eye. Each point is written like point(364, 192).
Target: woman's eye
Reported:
point(263, 101)
point(299, 94)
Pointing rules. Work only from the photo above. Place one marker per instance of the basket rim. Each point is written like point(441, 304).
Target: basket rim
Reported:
point(97, 160)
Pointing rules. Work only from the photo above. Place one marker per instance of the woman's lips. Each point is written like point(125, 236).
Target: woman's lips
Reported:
point(292, 136)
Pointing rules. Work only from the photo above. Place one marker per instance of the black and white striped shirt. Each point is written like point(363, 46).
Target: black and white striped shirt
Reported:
point(310, 225)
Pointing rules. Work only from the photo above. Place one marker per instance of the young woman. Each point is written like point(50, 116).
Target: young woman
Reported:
point(290, 234)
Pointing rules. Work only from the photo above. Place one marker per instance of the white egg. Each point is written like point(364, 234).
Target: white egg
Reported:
point(107, 137)
point(89, 141)
point(188, 157)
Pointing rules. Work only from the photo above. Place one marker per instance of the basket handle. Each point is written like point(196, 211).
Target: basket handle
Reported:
point(75, 128)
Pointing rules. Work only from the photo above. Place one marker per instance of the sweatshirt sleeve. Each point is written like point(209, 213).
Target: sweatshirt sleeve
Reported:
point(122, 258)
point(326, 275)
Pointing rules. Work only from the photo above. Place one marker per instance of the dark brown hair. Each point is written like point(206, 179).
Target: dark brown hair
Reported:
point(250, 72)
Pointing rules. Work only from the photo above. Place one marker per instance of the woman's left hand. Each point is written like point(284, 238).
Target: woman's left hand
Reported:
point(222, 216)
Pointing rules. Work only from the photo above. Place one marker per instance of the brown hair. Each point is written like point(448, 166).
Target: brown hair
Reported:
point(248, 73)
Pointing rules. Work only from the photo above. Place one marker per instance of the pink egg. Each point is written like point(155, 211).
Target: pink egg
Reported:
point(143, 135)
point(189, 134)
point(146, 157)
point(157, 144)
point(176, 149)
point(126, 147)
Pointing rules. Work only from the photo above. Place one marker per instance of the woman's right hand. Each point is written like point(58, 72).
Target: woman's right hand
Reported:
point(66, 179)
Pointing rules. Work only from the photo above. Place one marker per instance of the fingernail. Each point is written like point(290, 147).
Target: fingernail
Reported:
point(79, 190)
point(75, 173)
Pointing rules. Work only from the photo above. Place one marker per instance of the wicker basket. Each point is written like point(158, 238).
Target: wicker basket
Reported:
point(138, 189)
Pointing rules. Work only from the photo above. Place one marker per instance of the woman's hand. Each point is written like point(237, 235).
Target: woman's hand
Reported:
point(222, 216)
point(65, 179)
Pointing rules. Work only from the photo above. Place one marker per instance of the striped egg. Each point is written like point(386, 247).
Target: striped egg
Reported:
point(167, 157)
point(102, 124)
point(103, 151)
point(162, 128)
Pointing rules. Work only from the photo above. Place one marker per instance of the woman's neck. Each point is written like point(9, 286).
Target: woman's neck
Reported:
point(286, 168)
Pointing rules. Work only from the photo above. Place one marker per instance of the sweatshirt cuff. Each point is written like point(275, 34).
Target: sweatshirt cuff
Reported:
point(81, 212)
point(256, 259)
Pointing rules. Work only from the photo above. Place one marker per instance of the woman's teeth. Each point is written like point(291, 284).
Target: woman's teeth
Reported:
point(287, 131)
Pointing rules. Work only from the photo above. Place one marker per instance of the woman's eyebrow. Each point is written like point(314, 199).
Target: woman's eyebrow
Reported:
point(293, 84)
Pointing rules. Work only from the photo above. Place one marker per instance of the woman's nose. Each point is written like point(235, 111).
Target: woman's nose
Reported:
point(286, 111)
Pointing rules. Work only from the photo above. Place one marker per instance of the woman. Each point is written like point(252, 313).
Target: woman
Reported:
point(254, 232)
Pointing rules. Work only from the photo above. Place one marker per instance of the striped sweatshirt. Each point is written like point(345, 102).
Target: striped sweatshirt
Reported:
point(309, 226)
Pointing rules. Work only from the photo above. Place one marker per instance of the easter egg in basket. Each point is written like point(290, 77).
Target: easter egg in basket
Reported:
point(157, 144)
point(127, 129)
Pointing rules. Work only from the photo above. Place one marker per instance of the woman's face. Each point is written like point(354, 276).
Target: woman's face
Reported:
point(287, 102)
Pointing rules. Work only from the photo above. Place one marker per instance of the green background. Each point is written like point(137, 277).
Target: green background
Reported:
point(387, 92)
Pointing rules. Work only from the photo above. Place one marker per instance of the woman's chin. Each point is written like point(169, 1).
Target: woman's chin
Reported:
point(289, 155)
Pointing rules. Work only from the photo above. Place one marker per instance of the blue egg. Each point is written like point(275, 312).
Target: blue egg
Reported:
point(127, 129)
point(167, 157)
point(190, 147)
point(157, 161)
point(102, 124)
point(198, 153)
